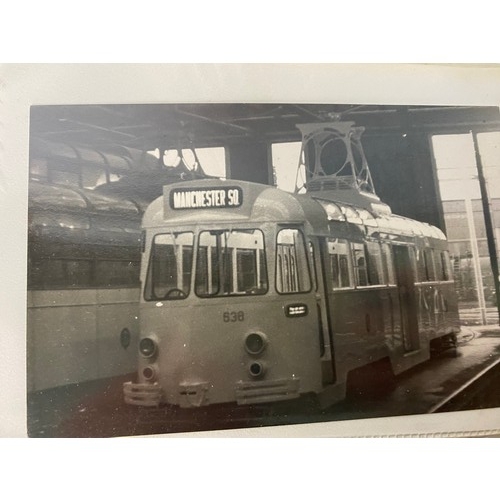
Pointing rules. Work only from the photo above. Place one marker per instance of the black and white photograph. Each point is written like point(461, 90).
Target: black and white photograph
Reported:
point(228, 264)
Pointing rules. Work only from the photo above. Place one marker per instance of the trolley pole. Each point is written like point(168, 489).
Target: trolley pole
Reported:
point(488, 223)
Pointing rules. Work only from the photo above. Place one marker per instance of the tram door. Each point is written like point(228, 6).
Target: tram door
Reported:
point(407, 302)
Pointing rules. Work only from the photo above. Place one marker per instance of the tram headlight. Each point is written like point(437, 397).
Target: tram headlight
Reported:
point(257, 369)
point(255, 343)
point(149, 373)
point(147, 347)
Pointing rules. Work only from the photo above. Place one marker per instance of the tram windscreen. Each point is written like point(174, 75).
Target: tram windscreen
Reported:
point(169, 273)
point(231, 262)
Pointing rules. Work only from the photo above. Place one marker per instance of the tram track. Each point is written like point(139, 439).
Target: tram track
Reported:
point(477, 388)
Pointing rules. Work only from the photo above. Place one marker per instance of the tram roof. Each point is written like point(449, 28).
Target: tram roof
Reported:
point(186, 203)
point(384, 224)
point(82, 216)
point(65, 198)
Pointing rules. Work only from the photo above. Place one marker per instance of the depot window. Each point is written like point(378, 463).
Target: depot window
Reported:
point(292, 266)
point(169, 272)
point(231, 262)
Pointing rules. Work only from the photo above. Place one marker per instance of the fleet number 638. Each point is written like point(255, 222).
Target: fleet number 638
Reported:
point(233, 316)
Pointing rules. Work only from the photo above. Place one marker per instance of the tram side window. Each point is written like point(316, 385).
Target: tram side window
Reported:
point(360, 264)
point(292, 267)
point(82, 273)
point(429, 264)
point(388, 264)
point(116, 272)
point(58, 273)
point(421, 271)
point(338, 251)
point(425, 265)
point(414, 263)
point(78, 272)
point(169, 273)
point(443, 265)
point(375, 268)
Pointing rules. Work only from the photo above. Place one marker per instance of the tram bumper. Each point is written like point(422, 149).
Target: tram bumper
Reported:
point(146, 394)
point(267, 391)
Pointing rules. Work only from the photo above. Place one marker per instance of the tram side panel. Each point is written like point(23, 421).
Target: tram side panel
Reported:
point(117, 327)
point(82, 338)
point(61, 336)
point(358, 323)
point(435, 291)
point(82, 321)
point(379, 310)
point(364, 307)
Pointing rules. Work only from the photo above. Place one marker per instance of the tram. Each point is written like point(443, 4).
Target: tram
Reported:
point(253, 295)
point(83, 286)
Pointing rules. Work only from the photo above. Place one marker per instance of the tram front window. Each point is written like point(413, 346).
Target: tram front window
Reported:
point(231, 263)
point(169, 273)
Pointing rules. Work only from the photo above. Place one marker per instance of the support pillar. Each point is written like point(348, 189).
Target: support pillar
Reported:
point(250, 161)
point(403, 174)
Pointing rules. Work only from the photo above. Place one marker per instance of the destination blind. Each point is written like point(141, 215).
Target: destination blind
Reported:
point(192, 198)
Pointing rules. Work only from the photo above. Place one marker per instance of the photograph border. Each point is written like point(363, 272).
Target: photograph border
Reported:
point(24, 85)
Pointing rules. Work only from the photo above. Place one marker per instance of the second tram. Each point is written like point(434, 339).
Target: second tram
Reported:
point(83, 286)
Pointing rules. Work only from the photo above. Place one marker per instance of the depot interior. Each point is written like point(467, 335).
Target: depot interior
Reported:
point(436, 164)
